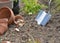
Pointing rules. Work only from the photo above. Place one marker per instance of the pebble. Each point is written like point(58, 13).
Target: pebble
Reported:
point(17, 29)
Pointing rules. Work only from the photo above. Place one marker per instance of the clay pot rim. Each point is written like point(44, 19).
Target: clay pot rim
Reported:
point(5, 7)
point(18, 17)
point(10, 12)
point(5, 1)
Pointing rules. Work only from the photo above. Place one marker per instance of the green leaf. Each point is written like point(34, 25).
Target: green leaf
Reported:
point(31, 6)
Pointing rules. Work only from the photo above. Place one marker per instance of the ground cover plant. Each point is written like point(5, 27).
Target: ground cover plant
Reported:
point(56, 8)
point(32, 6)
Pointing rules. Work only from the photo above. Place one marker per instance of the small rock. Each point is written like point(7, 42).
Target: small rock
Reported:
point(30, 13)
point(17, 29)
point(29, 39)
point(21, 24)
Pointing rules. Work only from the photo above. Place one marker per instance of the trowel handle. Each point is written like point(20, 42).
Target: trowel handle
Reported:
point(50, 1)
point(49, 4)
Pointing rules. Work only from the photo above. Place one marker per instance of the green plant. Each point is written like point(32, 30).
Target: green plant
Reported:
point(57, 3)
point(56, 6)
point(31, 6)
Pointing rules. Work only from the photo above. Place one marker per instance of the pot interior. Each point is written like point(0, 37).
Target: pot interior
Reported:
point(5, 13)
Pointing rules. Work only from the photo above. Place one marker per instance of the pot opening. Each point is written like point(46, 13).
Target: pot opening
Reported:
point(5, 13)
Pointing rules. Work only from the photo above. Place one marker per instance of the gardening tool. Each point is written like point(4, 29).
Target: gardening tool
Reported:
point(43, 17)
point(16, 7)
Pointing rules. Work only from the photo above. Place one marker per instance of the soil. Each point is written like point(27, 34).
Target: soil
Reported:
point(47, 34)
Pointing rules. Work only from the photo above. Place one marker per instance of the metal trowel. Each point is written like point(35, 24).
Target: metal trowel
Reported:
point(43, 17)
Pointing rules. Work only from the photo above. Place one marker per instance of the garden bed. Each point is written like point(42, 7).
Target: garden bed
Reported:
point(47, 34)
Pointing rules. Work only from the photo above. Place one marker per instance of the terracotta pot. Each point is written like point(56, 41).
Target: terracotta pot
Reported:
point(3, 25)
point(8, 3)
point(6, 12)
